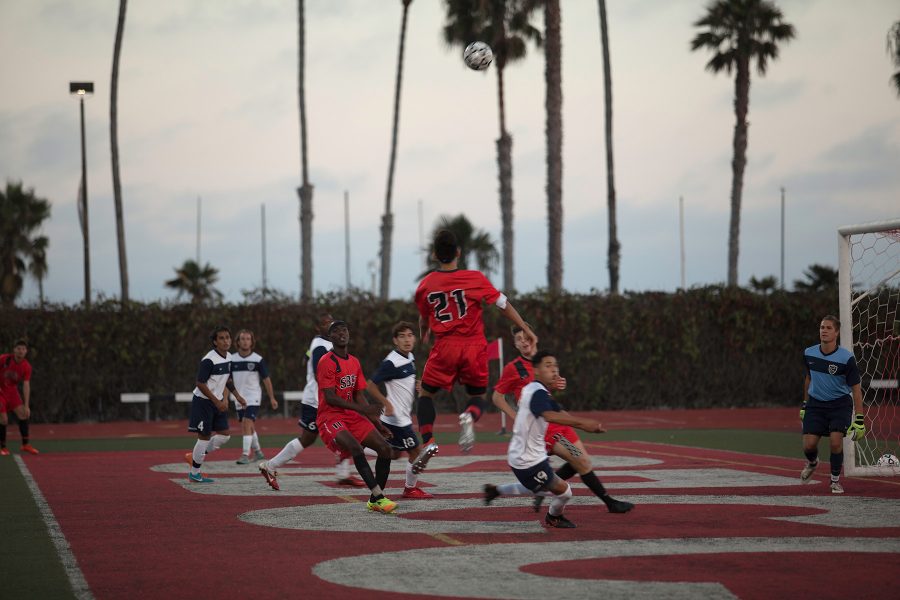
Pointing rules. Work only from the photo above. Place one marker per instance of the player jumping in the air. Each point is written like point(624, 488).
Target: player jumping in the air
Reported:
point(560, 440)
point(449, 301)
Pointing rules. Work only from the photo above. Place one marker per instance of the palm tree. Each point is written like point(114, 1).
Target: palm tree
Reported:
point(613, 253)
point(196, 281)
point(21, 216)
point(553, 104)
point(114, 149)
point(737, 32)
point(37, 266)
point(387, 221)
point(893, 48)
point(505, 26)
point(819, 278)
point(305, 191)
point(764, 286)
point(475, 246)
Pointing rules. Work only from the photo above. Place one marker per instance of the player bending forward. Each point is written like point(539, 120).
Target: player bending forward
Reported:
point(527, 454)
point(398, 373)
point(449, 302)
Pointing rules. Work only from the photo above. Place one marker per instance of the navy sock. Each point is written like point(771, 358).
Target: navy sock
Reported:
point(812, 456)
point(837, 461)
point(566, 471)
point(382, 470)
point(590, 480)
point(425, 415)
point(2, 436)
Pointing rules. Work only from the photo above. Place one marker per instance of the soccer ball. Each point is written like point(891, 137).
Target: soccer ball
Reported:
point(888, 460)
point(478, 56)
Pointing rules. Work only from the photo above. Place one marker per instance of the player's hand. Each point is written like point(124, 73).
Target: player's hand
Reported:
point(387, 409)
point(559, 384)
point(384, 431)
point(857, 429)
point(593, 426)
point(27, 411)
point(274, 403)
point(418, 387)
point(802, 411)
point(242, 402)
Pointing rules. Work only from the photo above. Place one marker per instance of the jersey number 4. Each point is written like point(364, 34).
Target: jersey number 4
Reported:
point(441, 303)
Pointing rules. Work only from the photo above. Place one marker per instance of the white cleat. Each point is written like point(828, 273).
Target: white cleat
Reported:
point(836, 488)
point(808, 471)
point(466, 432)
point(424, 456)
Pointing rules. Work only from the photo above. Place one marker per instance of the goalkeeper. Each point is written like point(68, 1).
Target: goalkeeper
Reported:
point(832, 401)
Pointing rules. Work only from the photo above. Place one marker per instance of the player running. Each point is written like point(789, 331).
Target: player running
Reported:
point(560, 440)
point(398, 373)
point(250, 374)
point(15, 369)
point(449, 301)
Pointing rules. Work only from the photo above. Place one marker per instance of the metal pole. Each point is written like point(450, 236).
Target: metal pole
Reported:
point(347, 237)
point(681, 236)
point(84, 207)
point(782, 238)
point(198, 231)
point(265, 284)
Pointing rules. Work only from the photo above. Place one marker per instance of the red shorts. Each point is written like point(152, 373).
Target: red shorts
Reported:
point(460, 359)
point(554, 430)
point(332, 424)
point(9, 400)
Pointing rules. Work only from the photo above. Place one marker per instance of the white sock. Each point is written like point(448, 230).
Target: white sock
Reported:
point(255, 443)
point(559, 501)
point(343, 469)
point(292, 449)
point(411, 478)
point(216, 442)
point(369, 452)
point(246, 440)
point(198, 454)
point(513, 489)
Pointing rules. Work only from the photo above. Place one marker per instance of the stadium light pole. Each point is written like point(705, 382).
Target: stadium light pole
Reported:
point(80, 89)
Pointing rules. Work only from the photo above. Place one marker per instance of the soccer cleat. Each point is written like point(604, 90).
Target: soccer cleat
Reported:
point(382, 505)
point(243, 460)
point(836, 488)
point(416, 493)
point(491, 493)
point(619, 506)
point(29, 449)
point(258, 455)
point(271, 477)
point(560, 522)
point(808, 471)
point(199, 478)
point(352, 481)
point(536, 504)
point(4, 451)
point(424, 456)
point(466, 432)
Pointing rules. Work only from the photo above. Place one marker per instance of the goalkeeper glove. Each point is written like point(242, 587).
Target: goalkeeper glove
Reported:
point(802, 411)
point(857, 429)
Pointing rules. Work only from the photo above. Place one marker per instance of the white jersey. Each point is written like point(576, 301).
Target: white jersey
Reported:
point(214, 371)
point(398, 373)
point(318, 348)
point(248, 373)
point(526, 447)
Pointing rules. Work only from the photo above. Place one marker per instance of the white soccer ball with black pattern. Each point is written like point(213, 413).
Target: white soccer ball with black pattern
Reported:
point(478, 56)
point(888, 460)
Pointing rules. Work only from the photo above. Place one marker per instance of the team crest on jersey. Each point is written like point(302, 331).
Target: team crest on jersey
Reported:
point(832, 369)
point(251, 366)
point(348, 381)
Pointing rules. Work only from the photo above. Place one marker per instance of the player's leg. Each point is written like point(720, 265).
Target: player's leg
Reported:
point(403, 439)
point(814, 427)
point(562, 493)
point(4, 420)
point(246, 435)
point(579, 461)
point(221, 434)
point(839, 421)
point(385, 454)
point(440, 373)
point(473, 373)
point(200, 423)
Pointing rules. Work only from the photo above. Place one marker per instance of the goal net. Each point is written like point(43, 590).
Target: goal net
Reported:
point(869, 282)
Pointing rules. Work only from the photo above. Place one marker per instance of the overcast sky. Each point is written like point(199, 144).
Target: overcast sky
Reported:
point(208, 108)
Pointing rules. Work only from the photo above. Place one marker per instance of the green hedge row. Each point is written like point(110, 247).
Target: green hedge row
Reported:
point(710, 347)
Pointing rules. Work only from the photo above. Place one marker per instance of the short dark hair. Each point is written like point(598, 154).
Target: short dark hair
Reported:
point(834, 321)
point(401, 327)
point(20, 342)
point(541, 355)
point(445, 246)
point(516, 329)
point(215, 333)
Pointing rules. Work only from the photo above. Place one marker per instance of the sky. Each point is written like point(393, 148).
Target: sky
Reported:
point(208, 109)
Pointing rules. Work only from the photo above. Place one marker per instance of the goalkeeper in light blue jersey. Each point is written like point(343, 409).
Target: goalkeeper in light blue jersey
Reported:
point(831, 398)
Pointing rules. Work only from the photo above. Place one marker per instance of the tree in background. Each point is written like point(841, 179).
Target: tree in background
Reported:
point(505, 26)
point(475, 246)
point(305, 191)
point(819, 278)
point(114, 149)
point(613, 253)
point(197, 282)
point(387, 221)
point(553, 104)
point(738, 32)
point(893, 48)
point(21, 249)
point(764, 286)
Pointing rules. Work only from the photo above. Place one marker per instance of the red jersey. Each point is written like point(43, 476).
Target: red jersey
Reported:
point(516, 374)
point(12, 373)
point(344, 376)
point(451, 302)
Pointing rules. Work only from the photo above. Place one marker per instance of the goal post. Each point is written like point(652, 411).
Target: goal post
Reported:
point(869, 294)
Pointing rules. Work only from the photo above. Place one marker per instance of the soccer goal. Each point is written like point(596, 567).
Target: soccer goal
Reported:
point(869, 286)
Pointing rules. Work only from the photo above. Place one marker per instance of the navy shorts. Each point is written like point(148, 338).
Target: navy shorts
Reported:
point(821, 418)
point(404, 437)
point(535, 478)
point(248, 413)
point(308, 418)
point(205, 417)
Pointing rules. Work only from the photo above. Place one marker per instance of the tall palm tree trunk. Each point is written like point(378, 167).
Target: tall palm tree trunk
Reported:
point(114, 148)
point(504, 165)
point(738, 164)
point(614, 248)
point(305, 192)
point(387, 221)
point(553, 105)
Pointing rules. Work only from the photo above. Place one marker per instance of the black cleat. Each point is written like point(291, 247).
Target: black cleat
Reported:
point(536, 504)
point(560, 522)
point(490, 493)
point(619, 506)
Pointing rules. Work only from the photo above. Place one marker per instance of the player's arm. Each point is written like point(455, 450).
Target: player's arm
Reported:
point(230, 387)
point(267, 383)
point(373, 390)
point(363, 408)
point(222, 405)
point(26, 397)
point(562, 417)
point(500, 402)
point(424, 329)
point(510, 312)
point(805, 396)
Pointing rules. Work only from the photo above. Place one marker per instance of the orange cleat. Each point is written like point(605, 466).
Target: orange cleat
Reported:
point(352, 481)
point(29, 449)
